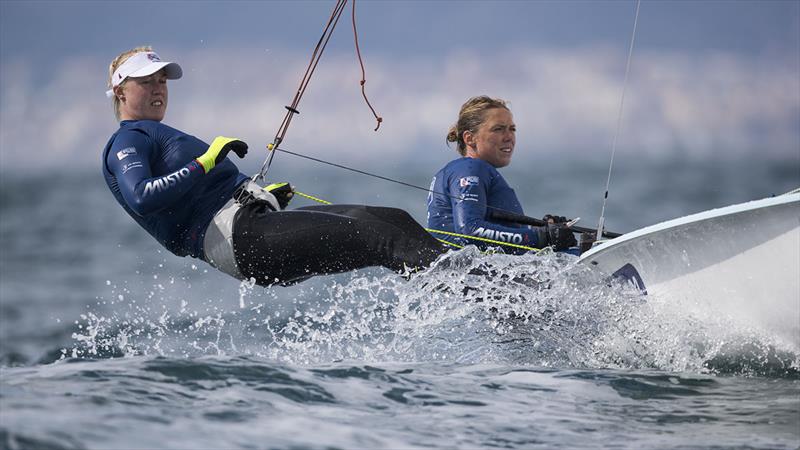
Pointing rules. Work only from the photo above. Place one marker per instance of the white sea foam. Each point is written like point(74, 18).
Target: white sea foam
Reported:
point(543, 310)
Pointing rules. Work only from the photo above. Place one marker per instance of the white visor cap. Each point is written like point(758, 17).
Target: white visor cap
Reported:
point(143, 64)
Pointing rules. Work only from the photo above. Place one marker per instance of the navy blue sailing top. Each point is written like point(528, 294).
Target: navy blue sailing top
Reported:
point(151, 170)
point(461, 192)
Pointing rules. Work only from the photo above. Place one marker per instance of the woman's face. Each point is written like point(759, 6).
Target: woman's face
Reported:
point(494, 141)
point(143, 98)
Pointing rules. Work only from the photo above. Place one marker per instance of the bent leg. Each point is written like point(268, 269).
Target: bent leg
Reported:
point(289, 246)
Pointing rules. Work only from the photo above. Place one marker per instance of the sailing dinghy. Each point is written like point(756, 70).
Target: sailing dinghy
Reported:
point(741, 261)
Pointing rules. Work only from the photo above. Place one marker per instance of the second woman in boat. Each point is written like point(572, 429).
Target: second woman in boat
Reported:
point(467, 191)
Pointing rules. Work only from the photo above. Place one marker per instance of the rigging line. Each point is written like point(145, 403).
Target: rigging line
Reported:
point(362, 172)
point(449, 243)
point(312, 65)
point(311, 197)
point(316, 57)
point(363, 72)
point(601, 222)
point(443, 194)
point(482, 239)
point(292, 110)
point(433, 230)
point(498, 213)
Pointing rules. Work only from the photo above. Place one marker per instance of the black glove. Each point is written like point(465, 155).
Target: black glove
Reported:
point(283, 192)
point(586, 242)
point(250, 192)
point(550, 218)
point(556, 235)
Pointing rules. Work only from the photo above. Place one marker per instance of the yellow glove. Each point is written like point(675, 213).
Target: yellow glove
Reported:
point(219, 149)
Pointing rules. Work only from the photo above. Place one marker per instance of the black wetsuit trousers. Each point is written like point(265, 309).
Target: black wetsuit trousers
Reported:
point(289, 246)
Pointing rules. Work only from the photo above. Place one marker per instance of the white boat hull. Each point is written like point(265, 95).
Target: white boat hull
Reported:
point(742, 261)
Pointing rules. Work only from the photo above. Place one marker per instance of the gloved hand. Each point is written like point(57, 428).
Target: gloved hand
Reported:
point(558, 236)
point(586, 241)
point(283, 192)
point(219, 149)
point(250, 192)
point(550, 218)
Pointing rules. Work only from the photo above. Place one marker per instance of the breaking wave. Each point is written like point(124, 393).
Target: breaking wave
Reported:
point(545, 310)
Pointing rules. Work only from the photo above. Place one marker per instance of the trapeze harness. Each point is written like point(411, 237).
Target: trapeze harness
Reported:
point(192, 213)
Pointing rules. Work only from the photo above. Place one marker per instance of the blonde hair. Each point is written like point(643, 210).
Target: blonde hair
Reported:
point(118, 62)
point(470, 118)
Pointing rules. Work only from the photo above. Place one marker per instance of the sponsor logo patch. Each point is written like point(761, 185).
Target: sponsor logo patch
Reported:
point(469, 198)
point(129, 166)
point(125, 152)
point(469, 181)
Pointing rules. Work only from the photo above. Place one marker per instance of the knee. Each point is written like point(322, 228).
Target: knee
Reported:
point(389, 212)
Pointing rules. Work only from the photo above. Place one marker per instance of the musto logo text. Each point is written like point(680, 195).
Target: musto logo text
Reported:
point(165, 182)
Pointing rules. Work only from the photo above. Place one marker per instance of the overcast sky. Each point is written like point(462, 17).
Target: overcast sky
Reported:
point(708, 78)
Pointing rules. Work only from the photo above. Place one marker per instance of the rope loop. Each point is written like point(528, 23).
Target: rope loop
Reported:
point(363, 72)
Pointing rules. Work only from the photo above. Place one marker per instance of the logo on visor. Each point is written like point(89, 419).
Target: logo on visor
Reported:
point(153, 57)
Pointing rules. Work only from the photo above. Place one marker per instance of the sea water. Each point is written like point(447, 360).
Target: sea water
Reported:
point(109, 342)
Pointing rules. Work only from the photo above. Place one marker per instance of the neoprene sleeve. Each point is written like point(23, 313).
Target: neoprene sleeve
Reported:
point(130, 160)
